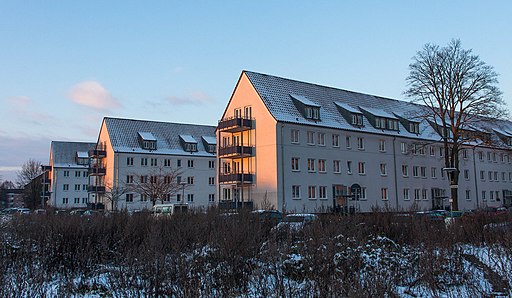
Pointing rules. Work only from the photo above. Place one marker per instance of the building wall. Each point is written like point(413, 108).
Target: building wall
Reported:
point(69, 187)
point(264, 137)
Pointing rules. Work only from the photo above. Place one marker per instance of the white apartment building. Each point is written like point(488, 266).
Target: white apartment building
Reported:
point(68, 174)
point(303, 147)
point(130, 149)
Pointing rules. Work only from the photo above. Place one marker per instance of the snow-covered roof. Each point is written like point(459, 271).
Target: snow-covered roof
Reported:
point(210, 140)
point(146, 136)
point(347, 107)
point(123, 135)
point(64, 153)
point(378, 113)
point(304, 100)
point(188, 139)
point(276, 93)
point(82, 154)
point(502, 132)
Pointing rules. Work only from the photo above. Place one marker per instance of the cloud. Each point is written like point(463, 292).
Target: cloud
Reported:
point(194, 98)
point(23, 108)
point(93, 95)
point(19, 101)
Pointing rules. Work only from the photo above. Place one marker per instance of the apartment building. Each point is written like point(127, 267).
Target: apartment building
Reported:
point(66, 179)
point(304, 147)
point(131, 151)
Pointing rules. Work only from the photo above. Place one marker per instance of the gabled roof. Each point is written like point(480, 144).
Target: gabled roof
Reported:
point(124, 133)
point(64, 153)
point(276, 92)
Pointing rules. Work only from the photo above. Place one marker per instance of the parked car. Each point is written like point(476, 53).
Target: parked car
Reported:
point(297, 221)
point(267, 215)
point(169, 209)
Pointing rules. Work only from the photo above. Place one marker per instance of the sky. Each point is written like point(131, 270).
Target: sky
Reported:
point(64, 65)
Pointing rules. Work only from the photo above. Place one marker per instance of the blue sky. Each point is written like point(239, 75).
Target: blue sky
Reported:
point(64, 65)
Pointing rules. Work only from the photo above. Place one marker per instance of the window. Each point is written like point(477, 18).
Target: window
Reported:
point(65, 187)
point(432, 150)
point(143, 179)
point(167, 197)
point(406, 194)
point(465, 153)
point(383, 171)
point(384, 194)
point(362, 195)
point(417, 194)
point(423, 172)
point(322, 192)
point(494, 156)
point(414, 127)
point(382, 145)
point(248, 112)
point(143, 161)
point(77, 173)
point(312, 192)
point(348, 142)
point(129, 161)
point(178, 196)
point(84, 187)
point(211, 164)
point(190, 180)
point(66, 173)
point(296, 192)
point(495, 176)
point(167, 179)
point(211, 180)
point(211, 197)
point(488, 156)
point(321, 139)
point(360, 143)
point(313, 113)
point(311, 138)
point(484, 197)
point(441, 151)
point(167, 162)
point(295, 164)
point(357, 119)
point(154, 162)
point(468, 195)
point(482, 175)
point(190, 163)
point(415, 171)
point(361, 168)
point(65, 200)
point(178, 163)
point(335, 140)
point(491, 195)
point(480, 155)
point(403, 147)
point(405, 170)
point(190, 197)
point(153, 179)
point(433, 173)
point(295, 136)
point(77, 200)
point(321, 165)
point(466, 174)
point(129, 197)
point(84, 200)
point(336, 166)
point(424, 195)
point(489, 174)
point(349, 167)
point(77, 187)
point(503, 176)
point(311, 165)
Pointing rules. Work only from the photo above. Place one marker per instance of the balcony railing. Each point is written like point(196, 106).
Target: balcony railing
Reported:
point(98, 153)
point(235, 124)
point(236, 178)
point(97, 171)
point(236, 151)
point(96, 188)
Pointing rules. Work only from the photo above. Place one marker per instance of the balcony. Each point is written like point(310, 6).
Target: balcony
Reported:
point(97, 171)
point(98, 153)
point(235, 124)
point(96, 189)
point(236, 151)
point(238, 178)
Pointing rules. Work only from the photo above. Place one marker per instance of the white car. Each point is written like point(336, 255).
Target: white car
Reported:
point(297, 221)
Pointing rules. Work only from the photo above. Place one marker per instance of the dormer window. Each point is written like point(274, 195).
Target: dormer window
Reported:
point(210, 144)
point(82, 158)
point(147, 140)
point(307, 108)
point(414, 127)
point(188, 143)
point(352, 115)
point(380, 119)
point(505, 136)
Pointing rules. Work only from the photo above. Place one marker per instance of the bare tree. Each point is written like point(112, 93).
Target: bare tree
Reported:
point(114, 194)
point(29, 170)
point(157, 185)
point(457, 90)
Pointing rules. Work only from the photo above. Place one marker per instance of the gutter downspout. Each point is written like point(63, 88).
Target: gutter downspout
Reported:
point(476, 180)
point(283, 210)
point(394, 168)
